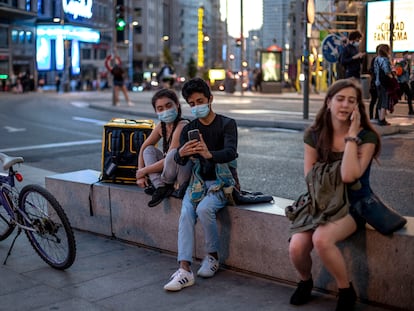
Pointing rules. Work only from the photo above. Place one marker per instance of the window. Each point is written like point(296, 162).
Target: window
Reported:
point(3, 38)
point(21, 36)
point(14, 35)
point(29, 37)
point(102, 54)
point(40, 7)
point(86, 54)
point(28, 5)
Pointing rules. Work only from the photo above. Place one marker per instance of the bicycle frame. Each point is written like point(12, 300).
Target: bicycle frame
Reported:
point(5, 199)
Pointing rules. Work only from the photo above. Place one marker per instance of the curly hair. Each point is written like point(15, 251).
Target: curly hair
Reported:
point(195, 85)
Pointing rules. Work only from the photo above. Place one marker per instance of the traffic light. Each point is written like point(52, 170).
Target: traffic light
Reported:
point(120, 22)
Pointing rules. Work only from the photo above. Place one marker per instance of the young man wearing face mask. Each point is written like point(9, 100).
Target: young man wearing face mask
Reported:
point(213, 156)
point(351, 57)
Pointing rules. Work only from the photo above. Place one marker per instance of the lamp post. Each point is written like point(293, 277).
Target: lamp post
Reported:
point(241, 47)
point(132, 24)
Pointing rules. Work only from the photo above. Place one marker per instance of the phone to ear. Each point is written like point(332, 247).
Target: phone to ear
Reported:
point(194, 134)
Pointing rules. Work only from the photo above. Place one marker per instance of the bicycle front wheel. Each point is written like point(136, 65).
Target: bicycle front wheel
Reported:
point(50, 232)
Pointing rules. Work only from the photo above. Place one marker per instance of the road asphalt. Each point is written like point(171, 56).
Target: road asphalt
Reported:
point(109, 274)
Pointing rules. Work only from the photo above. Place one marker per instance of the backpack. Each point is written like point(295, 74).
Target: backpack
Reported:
point(399, 69)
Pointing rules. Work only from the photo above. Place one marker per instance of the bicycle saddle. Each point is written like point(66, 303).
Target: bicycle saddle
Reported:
point(9, 161)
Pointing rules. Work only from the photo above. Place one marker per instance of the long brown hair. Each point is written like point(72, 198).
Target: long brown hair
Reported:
point(322, 129)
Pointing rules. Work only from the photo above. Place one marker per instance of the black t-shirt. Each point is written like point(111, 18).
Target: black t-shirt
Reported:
point(220, 137)
point(118, 73)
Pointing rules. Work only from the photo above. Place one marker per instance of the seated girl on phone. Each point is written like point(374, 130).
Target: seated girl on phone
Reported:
point(152, 174)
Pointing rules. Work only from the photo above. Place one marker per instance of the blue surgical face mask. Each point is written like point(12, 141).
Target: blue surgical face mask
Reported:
point(168, 116)
point(200, 111)
point(356, 44)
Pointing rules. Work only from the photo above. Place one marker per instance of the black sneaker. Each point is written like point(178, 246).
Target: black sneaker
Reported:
point(160, 194)
point(302, 293)
point(149, 190)
point(383, 123)
point(346, 299)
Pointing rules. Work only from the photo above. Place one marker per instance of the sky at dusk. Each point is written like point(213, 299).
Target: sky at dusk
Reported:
point(252, 15)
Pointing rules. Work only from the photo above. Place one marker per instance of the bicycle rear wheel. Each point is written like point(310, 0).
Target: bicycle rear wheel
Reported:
point(6, 224)
point(52, 236)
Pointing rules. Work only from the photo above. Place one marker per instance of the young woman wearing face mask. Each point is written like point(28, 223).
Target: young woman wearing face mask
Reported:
point(351, 57)
point(152, 174)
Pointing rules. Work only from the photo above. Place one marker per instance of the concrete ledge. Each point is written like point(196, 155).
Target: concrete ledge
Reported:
point(254, 238)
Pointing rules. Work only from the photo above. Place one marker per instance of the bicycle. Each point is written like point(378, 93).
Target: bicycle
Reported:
point(34, 210)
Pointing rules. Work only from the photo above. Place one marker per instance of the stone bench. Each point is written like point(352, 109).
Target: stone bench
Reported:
point(254, 238)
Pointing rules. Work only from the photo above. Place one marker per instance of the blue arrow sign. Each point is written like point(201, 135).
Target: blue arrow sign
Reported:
point(331, 48)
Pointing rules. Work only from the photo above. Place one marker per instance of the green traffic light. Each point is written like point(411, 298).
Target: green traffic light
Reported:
point(120, 24)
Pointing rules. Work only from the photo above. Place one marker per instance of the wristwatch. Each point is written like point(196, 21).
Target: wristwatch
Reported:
point(356, 139)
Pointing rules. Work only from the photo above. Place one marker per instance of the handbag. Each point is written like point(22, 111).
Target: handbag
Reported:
point(380, 216)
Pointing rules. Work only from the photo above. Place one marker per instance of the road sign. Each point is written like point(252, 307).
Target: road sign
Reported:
point(331, 48)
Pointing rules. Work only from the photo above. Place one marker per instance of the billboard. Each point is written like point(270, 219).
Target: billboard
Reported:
point(271, 66)
point(378, 25)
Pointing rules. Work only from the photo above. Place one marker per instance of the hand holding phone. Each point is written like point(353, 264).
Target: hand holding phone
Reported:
point(194, 134)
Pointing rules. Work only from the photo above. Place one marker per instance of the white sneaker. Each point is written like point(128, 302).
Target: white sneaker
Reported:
point(180, 279)
point(209, 267)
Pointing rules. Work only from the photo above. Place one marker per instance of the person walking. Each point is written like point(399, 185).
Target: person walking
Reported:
point(351, 57)
point(373, 90)
point(383, 75)
point(213, 153)
point(403, 78)
point(153, 173)
point(339, 148)
point(118, 79)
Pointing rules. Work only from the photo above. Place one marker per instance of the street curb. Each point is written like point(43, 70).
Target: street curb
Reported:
point(298, 125)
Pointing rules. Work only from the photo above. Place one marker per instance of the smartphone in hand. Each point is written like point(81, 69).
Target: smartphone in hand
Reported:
point(194, 134)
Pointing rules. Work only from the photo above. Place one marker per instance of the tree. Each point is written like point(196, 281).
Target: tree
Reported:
point(191, 68)
point(168, 59)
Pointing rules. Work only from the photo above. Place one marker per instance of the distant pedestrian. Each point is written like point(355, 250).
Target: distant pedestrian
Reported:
point(403, 77)
point(373, 108)
point(57, 82)
point(383, 76)
point(166, 76)
point(351, 57)
point(118, 76)
point(258, 78)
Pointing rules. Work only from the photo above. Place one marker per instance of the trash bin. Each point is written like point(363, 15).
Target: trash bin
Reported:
point(365, 84)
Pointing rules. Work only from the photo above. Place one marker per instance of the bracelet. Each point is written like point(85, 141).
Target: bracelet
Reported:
point(357, 140)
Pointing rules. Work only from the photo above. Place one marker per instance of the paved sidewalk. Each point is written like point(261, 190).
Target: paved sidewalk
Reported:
point(111, 275)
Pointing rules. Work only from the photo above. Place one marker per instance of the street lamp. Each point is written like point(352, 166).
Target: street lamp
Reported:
point(131, 51)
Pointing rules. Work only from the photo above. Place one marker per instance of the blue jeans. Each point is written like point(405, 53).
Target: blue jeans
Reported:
point(205, 211)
